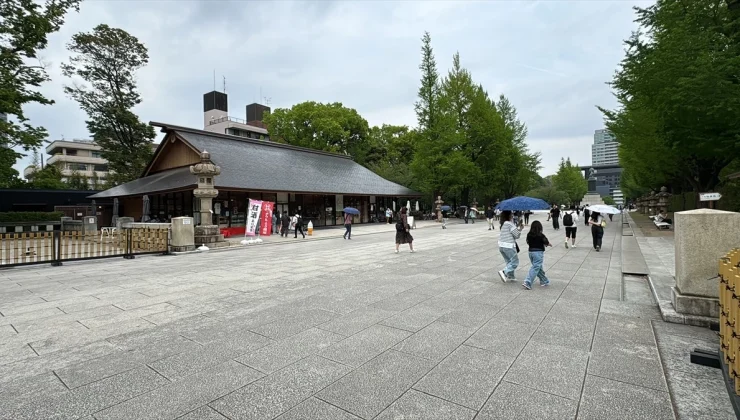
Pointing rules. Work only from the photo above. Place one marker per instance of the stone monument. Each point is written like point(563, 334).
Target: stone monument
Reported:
point(592, 197)
point(206, 233)
point(663, 199)
point(439, 203)
point(702, 236)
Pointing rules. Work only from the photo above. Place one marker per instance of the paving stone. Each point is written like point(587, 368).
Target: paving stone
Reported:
point(700, 397)
point(415, 405)
point(203, 413)
point(506, 338)
point(365, 345)
point(184, 364)
point(280, 391)
point(436, 340)
point(605, 399)
point(401, 301)
point(511, 401)
point(372, 387)
point(576, 334)
point(466, 377)
point(675, 352)
point(278, 355)
point(414, 318)
point(471, 315)
point(315, 409)
point(92, 370)
point(184, 396)
point(629, 362)
point(549, 368)
point(622, 328)
point(24, 390)
point(356, 321)
point(628, 309)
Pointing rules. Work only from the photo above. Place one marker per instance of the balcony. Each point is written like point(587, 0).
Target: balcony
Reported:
point(59, 158)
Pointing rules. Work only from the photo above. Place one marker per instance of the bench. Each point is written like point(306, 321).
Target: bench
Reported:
point(660, 225)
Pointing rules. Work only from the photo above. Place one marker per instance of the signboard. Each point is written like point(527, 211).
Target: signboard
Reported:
point(186, 221)
point(253, 214)
point(266, 221)
point(712, 196)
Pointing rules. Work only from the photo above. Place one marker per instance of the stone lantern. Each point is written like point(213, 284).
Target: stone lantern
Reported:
point(439, 203)
point(663, 198)
point(652, 203)
point(205, 171)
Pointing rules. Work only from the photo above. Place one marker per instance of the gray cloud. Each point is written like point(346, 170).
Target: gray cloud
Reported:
point(551, 58)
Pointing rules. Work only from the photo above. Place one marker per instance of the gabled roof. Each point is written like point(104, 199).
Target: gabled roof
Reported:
point(260, 165)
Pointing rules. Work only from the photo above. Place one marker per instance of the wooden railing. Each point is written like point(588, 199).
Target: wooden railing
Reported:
point(57, 246)
point(729, 323)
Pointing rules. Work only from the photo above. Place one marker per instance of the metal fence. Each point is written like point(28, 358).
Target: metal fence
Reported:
point(729, 323)
point(57, 246)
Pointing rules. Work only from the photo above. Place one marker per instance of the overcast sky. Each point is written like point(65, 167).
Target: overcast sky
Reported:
point(551, 58)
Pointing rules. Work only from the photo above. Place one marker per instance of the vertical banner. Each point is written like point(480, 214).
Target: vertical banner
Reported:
point(266, 222)
point(253, 214)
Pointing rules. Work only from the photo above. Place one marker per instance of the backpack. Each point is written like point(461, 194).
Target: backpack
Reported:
point(568, 219)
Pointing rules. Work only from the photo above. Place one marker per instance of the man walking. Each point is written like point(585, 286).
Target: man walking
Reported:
point(555, 216)
point(489, 216)
point(586, 214)
point(284, 224)
point(298, 223)
point(569, 221)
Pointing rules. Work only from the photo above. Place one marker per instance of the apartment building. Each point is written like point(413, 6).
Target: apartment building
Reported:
point(70, 156)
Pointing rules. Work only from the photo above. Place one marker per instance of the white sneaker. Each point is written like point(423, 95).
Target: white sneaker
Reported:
point(396, 251)
point(566, 244)
point(412, 251)
point(502, 275)
point(573, 246)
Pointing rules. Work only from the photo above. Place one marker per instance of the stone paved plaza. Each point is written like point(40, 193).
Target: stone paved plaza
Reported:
point(335, 329)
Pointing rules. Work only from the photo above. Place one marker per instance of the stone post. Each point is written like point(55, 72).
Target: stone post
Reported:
point(439, 203)
point(701, 237)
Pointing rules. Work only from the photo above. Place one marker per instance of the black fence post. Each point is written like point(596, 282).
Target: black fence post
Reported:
point(56, 247)
point(129, 253)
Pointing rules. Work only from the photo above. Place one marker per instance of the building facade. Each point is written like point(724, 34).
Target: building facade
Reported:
point(604, 150)
point(74, 156)
point(317, 184)
point(216, 118)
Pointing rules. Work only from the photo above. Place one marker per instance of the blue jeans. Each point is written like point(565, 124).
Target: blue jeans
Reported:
point(512, 261)
point(537, 258)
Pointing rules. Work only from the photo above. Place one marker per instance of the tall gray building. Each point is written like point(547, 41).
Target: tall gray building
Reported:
point(604, 149)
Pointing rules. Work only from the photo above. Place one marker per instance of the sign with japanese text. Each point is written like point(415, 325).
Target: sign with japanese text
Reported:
point(253, 214)
point(266, 220)
point(711, 196)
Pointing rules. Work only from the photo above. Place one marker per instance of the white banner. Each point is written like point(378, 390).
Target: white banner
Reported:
point(253, 215)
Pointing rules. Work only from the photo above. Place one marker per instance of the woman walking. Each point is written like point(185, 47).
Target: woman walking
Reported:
point(537, 242)
point(507, 246)
point(403, 236)
point(347, 226)
point(597, 229)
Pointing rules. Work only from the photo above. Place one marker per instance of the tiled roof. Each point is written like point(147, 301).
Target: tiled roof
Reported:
point(265, 166)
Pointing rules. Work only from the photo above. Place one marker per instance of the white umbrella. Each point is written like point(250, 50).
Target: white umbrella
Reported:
point(603, 209)
point(417, 206)
point(408, 205)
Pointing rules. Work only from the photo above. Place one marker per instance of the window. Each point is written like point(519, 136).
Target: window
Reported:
point(71, 152)
point(76, 166)
point(101, 168)
point(96, 155)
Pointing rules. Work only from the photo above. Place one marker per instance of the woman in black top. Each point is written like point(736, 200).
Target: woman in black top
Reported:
point(537, 242)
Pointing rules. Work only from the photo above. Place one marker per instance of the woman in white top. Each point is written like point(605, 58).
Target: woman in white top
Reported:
point(597, 230)
point(510, 232)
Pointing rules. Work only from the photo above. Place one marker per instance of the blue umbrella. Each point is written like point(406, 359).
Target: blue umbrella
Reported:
point(351, 210)
point(523, 203)
point(446, 208)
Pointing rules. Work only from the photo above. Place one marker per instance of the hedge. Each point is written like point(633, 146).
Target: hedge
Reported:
point(30, 216)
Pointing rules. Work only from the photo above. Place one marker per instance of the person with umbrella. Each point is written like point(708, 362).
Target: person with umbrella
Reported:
point(348, 212)
point(445, 215)
point(598, 223)
point(507, 246)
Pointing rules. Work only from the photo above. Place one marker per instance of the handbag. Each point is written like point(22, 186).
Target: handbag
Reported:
point(603, 223)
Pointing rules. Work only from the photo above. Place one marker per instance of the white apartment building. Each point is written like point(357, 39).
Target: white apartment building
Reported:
point(604, 151)
point(216, 118)
point(78, 155)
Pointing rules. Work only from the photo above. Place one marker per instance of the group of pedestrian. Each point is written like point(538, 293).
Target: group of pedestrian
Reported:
point(283, 222)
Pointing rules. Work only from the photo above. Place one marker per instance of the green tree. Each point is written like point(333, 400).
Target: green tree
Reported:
point(608, 200)
point(107, 60)
point(95, 182)
point(48, 178)
point(521, 165)
point(76, 181)
point(550, 194)
point(390, 151)
point(678, 120)
point(24, 28)
point(9, 177)
point(570, 180)
point(328, 127)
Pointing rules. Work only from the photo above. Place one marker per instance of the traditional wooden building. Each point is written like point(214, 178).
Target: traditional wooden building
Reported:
point(317, 184)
